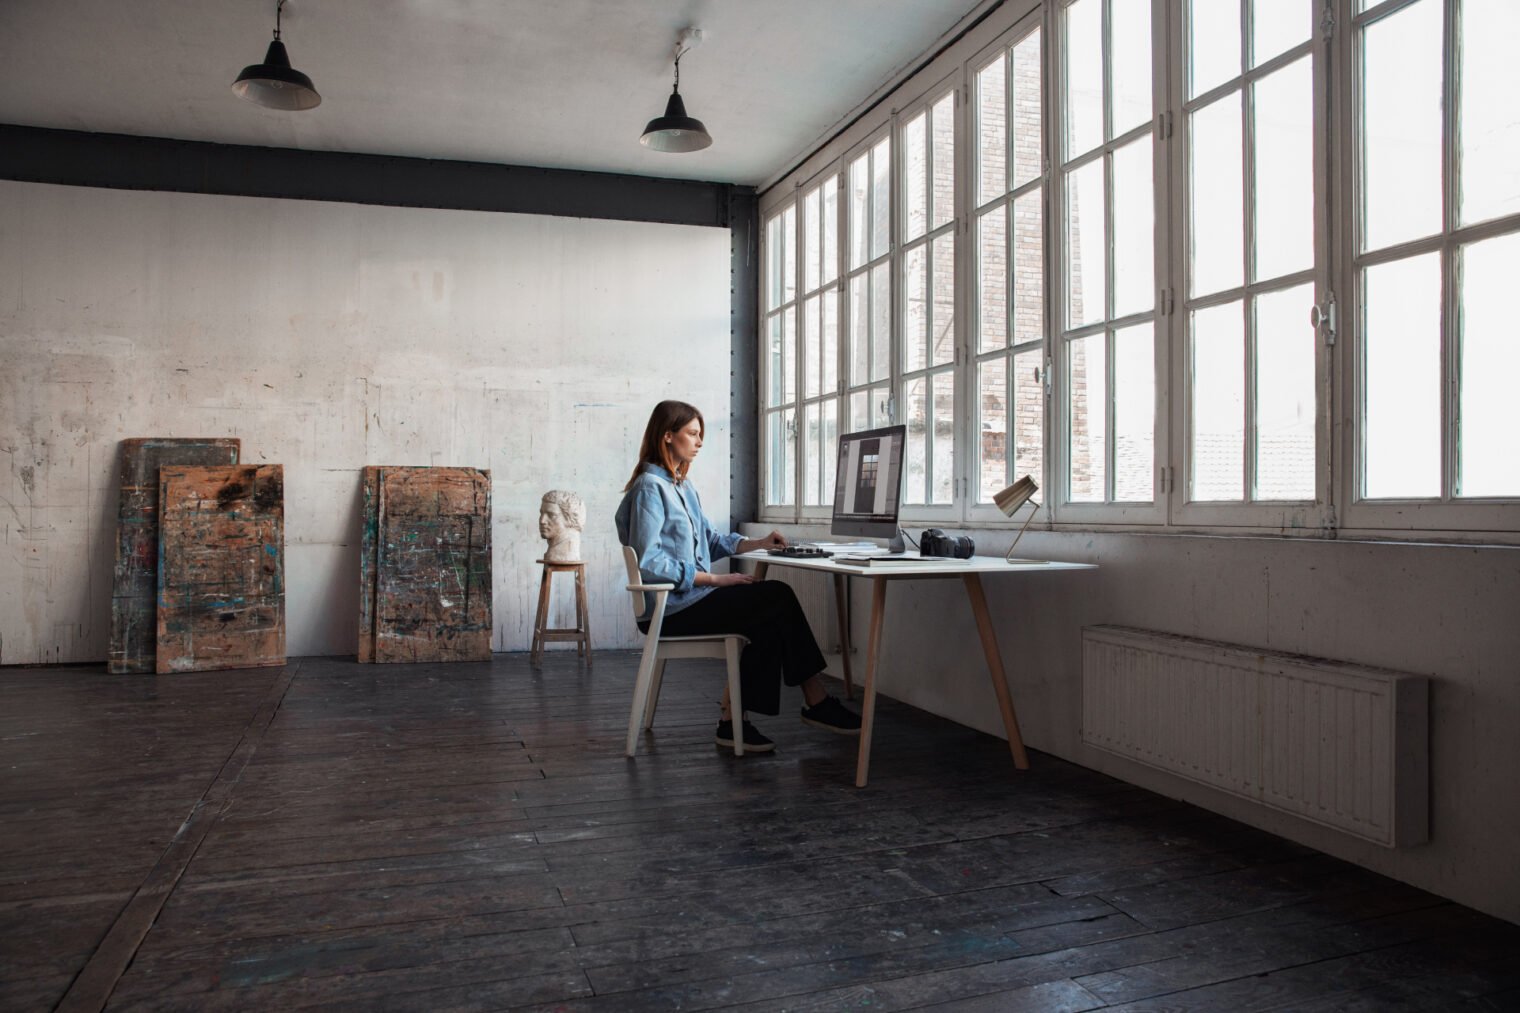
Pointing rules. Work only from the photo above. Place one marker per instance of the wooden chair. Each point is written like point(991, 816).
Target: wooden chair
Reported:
point(659, 649)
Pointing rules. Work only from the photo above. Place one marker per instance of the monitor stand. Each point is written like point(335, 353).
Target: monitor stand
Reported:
point(896, 545)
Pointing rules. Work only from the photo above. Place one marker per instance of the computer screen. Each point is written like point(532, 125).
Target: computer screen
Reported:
point(868, 482)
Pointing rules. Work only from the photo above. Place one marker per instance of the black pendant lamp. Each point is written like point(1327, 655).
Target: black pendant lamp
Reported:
point(675, 131)
point(275, 84)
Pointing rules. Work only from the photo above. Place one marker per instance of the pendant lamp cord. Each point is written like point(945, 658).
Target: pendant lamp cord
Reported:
point(677, 87)
point(277, 9)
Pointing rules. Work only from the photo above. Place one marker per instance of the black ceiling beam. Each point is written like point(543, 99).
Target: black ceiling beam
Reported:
point(126, 162)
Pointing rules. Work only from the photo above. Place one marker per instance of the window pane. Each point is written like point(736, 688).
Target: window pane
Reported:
point(830, 190)
point(1134, 229)
point(830, 349)
point(1134, 414)
point(1087, 380)
point(942, 140)
point(1086, 245)
point(942, 390)
point(915, 309)
point(1029, 267)
point(1029, 415)
point(811, 251)
point(942, 292)
point(1216, 231)
point(811, 346)
point(1401, 126)
point(915, 182)
point(1028, 129)
point(859, 353)
point(1218, 391)
point(992, 403)
point(1285, 346)
point(789, 345)
point(774, 259)
point(1488, 459)
point(881, 197)
point(1284, 170)
point(789, 254)
point(781, 456)
point(916, 453)
point(868, 409)
point(1490, 124)
point(881, 321)
point(1129, 43)
point(991, 131)
point(1084, 77)
point(860, 205)
point(822, 427)
point(777, 364)
point(1277, 26)
point(1401, 431)
point(1213, 44)
point(992, 279)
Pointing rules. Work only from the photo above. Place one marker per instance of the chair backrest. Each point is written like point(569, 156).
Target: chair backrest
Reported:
point(635, 579)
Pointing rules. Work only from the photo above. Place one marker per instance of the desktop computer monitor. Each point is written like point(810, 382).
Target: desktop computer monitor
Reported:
point(868, 484)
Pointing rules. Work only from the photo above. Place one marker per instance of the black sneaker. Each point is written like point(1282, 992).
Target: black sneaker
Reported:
point(832, 715)
point(754, 742)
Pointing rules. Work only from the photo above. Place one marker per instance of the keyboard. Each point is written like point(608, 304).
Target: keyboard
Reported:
point(800, 552)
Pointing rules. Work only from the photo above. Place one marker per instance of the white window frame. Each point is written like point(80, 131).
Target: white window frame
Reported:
point(951, 84)
point(986, 514)
point(1338, 510)
point(1465, 520)
point(1304, 517)
point(1058, 456)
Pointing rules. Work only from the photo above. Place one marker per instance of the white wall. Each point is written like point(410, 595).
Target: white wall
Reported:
point(329, 337)
point(1448, 612)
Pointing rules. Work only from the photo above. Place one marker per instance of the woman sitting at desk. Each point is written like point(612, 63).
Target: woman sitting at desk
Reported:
point(662, 519)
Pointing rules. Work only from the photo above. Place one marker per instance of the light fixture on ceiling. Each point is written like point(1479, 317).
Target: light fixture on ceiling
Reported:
point(675, 131)
point(275, 84)
point(1013, 497)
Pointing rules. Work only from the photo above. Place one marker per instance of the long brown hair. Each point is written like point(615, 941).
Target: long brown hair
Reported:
point(667, 417)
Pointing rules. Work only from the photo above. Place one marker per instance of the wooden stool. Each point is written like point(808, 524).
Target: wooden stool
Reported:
point(581, 631)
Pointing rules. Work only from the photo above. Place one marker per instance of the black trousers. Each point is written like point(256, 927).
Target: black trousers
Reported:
point(780, 641)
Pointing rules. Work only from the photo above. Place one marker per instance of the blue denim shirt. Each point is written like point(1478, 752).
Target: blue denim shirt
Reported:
point(664, 523)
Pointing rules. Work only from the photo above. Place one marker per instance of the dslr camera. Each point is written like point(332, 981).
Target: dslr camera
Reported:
point(935, 542)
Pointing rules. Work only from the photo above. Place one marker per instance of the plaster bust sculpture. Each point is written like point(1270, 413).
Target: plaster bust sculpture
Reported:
point(561, 516)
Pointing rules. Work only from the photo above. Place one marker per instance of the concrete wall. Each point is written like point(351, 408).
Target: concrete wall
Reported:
point(330, 336)
point(1447, 612)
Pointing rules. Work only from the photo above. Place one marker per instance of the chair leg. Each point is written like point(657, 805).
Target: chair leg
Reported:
point(654, 693)
point(641, 692)
point(735, 701)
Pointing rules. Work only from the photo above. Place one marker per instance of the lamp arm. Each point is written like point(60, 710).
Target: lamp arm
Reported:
point(1008, 557)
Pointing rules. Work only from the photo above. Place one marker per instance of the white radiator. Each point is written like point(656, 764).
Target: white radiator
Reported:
point(1341, 745)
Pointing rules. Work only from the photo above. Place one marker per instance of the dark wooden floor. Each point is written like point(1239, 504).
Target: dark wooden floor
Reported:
point(471, 836)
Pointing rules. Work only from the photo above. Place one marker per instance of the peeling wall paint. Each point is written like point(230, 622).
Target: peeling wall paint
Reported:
point(328, 337)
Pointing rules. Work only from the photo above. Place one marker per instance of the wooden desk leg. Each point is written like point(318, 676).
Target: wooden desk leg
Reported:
point(873, 661)
point(760, 568)
point(842, 613)
point(995, 670)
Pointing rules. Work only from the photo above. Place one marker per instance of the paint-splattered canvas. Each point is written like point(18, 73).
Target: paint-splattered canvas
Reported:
point(425, 565)
point(221, 568)
point(134, 584)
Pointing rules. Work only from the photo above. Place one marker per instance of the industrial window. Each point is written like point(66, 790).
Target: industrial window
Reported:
point(1436, 233)
point(1213, 265)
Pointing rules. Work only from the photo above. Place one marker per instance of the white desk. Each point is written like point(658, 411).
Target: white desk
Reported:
point(880, 575)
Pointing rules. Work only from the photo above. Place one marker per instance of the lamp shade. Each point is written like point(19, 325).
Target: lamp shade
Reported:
point(275, 84)
point(675, 131)
point(1016, 495)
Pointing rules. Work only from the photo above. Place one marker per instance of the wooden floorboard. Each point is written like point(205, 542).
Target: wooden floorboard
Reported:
point(470, 836)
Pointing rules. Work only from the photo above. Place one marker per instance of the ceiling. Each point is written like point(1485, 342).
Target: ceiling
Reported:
point(555, 83)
